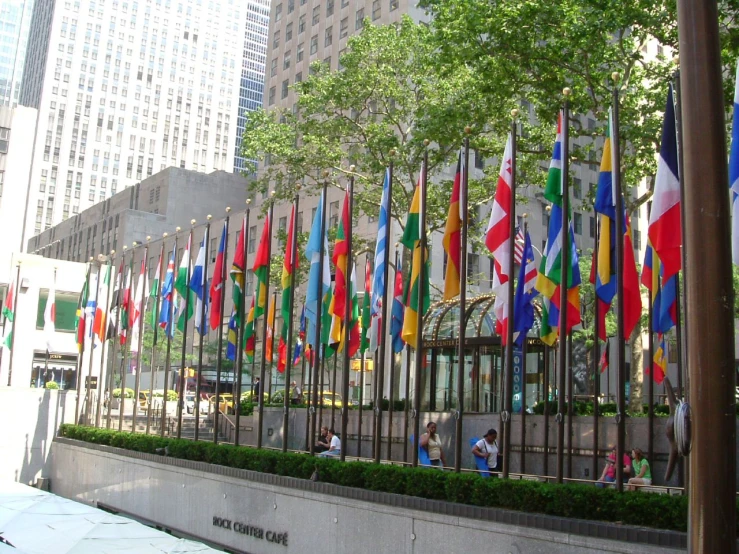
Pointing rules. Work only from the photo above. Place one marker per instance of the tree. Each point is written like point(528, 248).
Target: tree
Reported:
point(531, 49)
point(391, 94)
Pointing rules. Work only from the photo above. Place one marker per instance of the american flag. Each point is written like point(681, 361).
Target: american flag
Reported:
point(518, 246)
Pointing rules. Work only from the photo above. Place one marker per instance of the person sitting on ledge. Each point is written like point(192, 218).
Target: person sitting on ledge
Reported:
point(323, 443)
point(609, 472)
point(642, 471)
point(334, 448)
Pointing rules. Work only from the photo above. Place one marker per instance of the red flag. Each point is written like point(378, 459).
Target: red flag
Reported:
point(216, 285)
point(605, 357)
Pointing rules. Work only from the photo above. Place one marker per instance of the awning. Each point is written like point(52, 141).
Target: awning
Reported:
point(34, 521)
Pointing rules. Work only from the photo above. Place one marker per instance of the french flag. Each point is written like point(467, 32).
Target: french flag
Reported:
point(665, 226)
point(734, 174)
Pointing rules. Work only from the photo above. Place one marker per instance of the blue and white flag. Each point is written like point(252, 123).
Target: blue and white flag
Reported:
point(315, 280)
point(734, 174)
point(165, 314)
point(378, 280)
point(198, 285)
point(523, 308)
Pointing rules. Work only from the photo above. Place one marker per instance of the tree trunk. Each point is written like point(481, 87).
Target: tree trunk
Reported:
point(636, 403)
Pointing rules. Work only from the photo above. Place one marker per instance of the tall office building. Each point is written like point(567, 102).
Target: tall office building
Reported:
point(251, 92)
point(15, 23)
point(125, 89)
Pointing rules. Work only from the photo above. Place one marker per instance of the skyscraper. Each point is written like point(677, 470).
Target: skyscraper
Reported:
point(15, 22)
point(125, 89)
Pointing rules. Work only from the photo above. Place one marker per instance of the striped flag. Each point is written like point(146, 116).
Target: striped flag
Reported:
point(341, 287)
point(100, 324)
point(199, 285)
point(366, 317)
point(167, 300)
point(734, 173)
point(142, 288)
point(79, 323)
point(452, 234)
point(237, 269)
point(232, 336)
point(318, 284)
point(354, 323)
point(261, 269)
point(518, 246)
point(216, 283)
point(664, 220)
point(289, 267)
point(398, 311)
point(249, 335)
point(523, 307)
point(497, 239)
point(378, 282)
point(270, 338)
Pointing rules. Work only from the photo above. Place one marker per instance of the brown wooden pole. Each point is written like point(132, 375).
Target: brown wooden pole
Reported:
point(709, 292)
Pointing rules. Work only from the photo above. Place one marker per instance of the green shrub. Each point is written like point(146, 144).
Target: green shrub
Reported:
point(52, 385)
point(247, 408)
point(573, 500)
point(117, 393)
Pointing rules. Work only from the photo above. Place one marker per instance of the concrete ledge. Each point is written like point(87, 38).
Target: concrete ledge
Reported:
point(580, 530)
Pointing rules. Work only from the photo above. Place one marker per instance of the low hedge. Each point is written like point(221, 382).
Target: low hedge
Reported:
point(606, 409)
point(581, 501)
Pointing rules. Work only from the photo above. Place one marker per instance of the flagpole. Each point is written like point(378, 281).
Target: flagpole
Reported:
point(12, 325)
point(563, 282)
point(114, 338)
point(219, 358)
point(264, 328)
point(524, 261)
point(307, 377)
point(155, 315)
point(80, 359)
point(680, 324)
point(203, 327)
point(101, 373)
point(392, 357)
point(142, 312)
point(462, 305)
point(596, 361)
point(407, 401)
point(709, 293)
point(182, 380)
point(509, 325)
point(547, 384)
point(382, 331)
point(318, 355)
point(420, 314)
point(126, 342)
point(333, 386)
point(170, 324)
point(570, 404)
point(650, 387)
point(88, 390)
point(242, 322)
point(620, 322)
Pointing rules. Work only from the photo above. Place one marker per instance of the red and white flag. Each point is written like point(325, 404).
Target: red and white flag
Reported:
point(142, 289)
point(497, 239)
point(518, 246)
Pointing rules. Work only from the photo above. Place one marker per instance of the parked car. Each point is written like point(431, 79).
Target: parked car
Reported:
point(144, 399)
point(225, 404)
point(327, 398)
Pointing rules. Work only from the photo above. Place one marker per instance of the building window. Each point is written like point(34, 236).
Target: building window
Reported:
point(314, 44)
point(301, 52)
point(273, 69)
point(272, 92)
point(4, 139)
point(252, 239)
point(328, 37)
point(286, 61)
point(637, 240)
point(316, 15)
point(301, 24)
point(333, 219)
point(289, 32)
point(329, 8)
point(479, 160)
point(592, 227)
point(578, 223)
point(344, 28)
point(376, 10)
point(393, 5)
point(473, 267)
point(577, 188)
point(276, 39)
point(359, 19)
point(290, 6)
point(285, 88)
point(278, 12)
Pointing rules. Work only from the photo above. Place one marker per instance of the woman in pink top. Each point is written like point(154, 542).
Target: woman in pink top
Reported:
point(609, 472)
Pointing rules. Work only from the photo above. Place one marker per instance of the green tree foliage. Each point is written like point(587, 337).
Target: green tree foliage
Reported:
point(532, 49)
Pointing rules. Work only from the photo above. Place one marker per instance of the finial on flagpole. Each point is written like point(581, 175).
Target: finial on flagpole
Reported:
point(228, 209)
point(209, 217)
point(148, 238)
point(615, 76)
point(352, 168)
point(567, 91)
point(392, 152)
point(524, 215)
point(426, 142)
point(468, 130)
point(165, 235)
point(272, 193)
point(248, 201)
point(548, 209)
point(192, 222)
point(112, 252)
point(178, 229)
point(91, 260)
point(514, 113)
point(125, 247)
point(325, 174)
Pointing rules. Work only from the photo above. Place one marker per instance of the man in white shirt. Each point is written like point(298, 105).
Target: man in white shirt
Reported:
point(487, 447)
point(334, 448)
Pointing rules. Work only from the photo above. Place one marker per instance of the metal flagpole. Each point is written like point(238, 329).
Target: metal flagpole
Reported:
point(318, 355)
point(709, 291)
point(262, 383)
point(420, 314)
point(596, 362)
point(392, 367)
point(101, 373)
point(170, 325)
point(564, 281)
point(242, 325)
point(347, 321)
point(547, 385)
point(142, 311)
point(114, 338)
point(203, 327)
point(291, 304)
point(333, 387)
point(125, 359)
point(523, 362)
point(361, 401)
point(88, 388)
point(650, 386)
point(407, 400)
point(219, 358)
point(81, 346)
point(382, 331)
point(462, 305)
point(183, 380)
point(152, 385)
point(620, 322)
point(570, 404)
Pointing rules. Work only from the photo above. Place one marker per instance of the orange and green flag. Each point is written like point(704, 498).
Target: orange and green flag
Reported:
point(261, 270)
point(249, 336)
point(340, 259)
point(289, 267)
point(412, 239)
point(452, 234)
